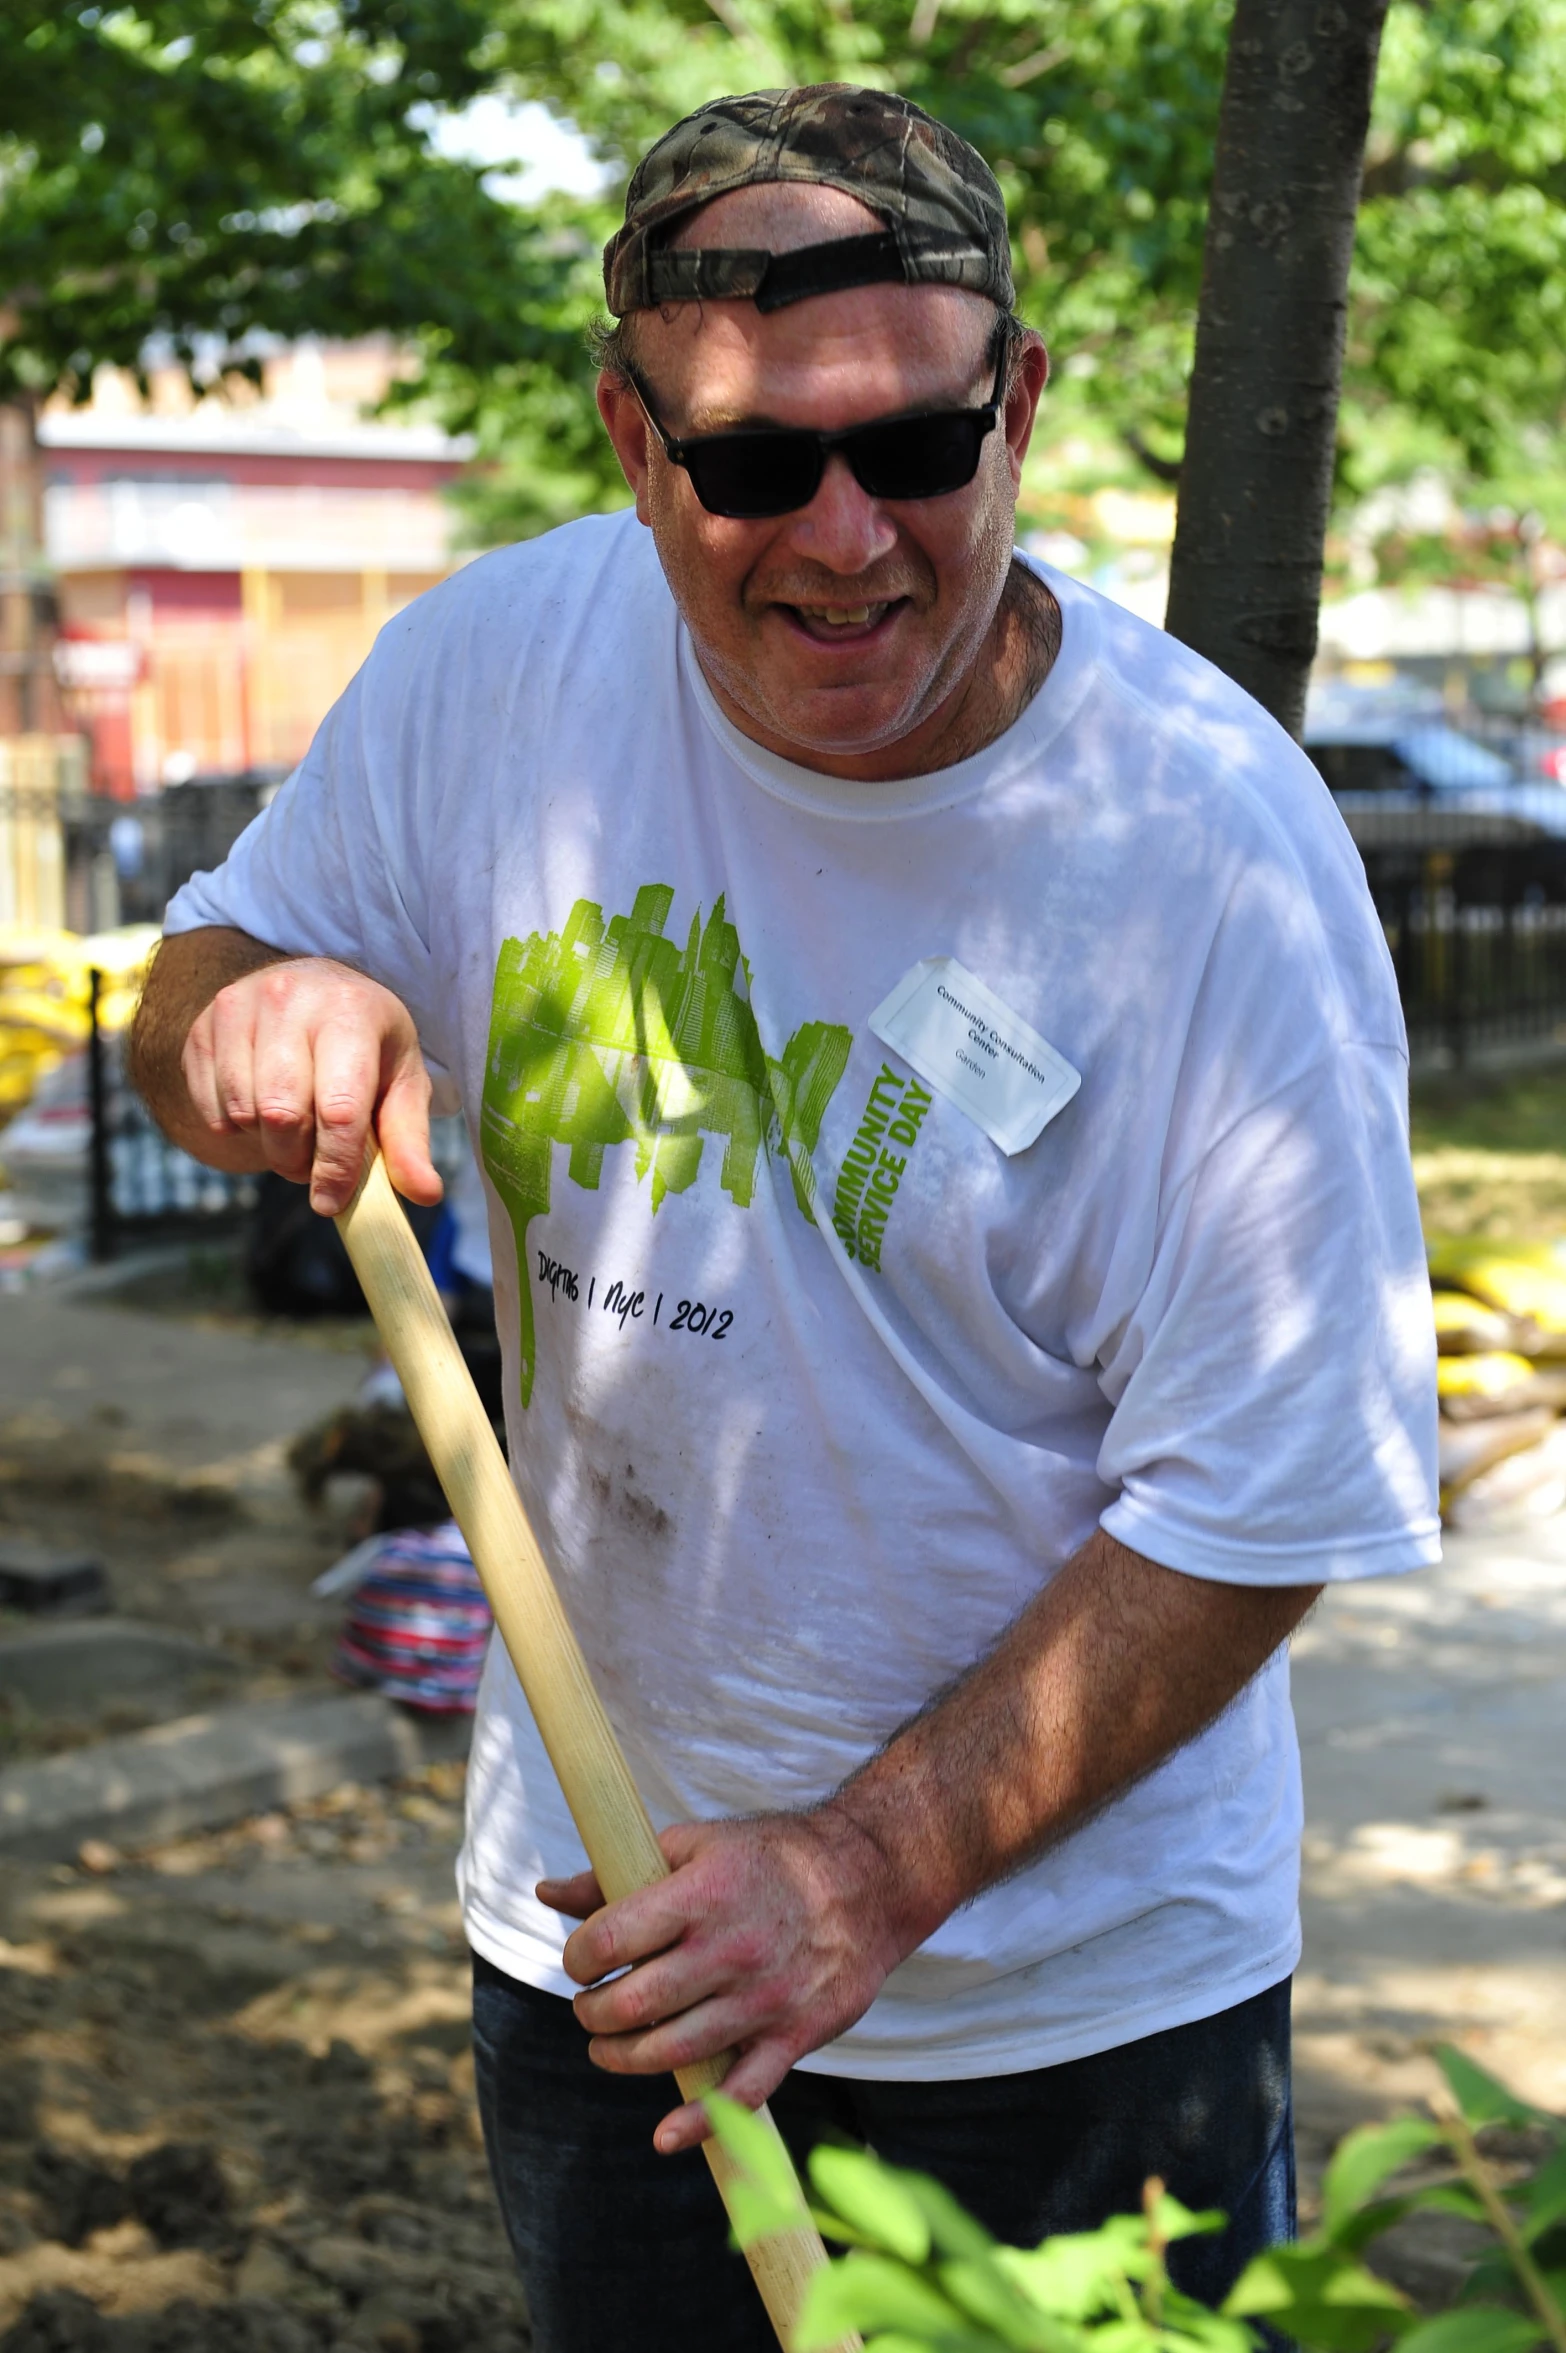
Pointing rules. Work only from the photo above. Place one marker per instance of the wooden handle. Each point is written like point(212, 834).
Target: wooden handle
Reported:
point(588, 1760)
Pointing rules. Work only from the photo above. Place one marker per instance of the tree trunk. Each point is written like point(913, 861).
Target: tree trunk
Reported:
point(29, 697)
point(1256, 480)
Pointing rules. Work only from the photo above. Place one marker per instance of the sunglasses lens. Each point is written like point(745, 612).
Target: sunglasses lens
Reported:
point(918, 457)
point(752, 475)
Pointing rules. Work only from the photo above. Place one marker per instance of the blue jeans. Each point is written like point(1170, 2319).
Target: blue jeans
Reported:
point(624, 2251)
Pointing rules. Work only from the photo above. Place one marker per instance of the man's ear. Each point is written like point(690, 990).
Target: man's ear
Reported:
point(625, 422)
point(1029, 378)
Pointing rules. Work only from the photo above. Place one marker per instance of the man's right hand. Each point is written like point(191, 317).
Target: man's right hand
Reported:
point(290, 1065)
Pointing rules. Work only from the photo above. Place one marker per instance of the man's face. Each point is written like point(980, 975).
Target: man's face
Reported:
point(836, 635)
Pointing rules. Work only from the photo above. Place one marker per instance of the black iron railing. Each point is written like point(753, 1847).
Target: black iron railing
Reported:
point(1474, 907)
point(124, 860)
point(138, 1183)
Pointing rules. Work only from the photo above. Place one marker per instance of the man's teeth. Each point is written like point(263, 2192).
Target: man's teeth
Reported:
point(841, 616)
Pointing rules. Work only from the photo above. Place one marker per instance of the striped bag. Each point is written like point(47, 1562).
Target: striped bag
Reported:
point(418, 1625)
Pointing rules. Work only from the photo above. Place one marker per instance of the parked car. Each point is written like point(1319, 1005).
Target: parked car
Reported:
point(1397, 739)
point(1383, 750)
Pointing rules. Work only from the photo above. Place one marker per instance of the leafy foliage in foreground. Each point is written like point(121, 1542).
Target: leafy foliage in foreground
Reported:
point(922, 2276)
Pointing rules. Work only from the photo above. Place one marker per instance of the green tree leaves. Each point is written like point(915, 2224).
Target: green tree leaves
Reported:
point(921, 2276)
point(200, 170)
point(1098, 117)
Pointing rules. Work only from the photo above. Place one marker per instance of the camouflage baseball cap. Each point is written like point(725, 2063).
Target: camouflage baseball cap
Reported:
point(944, 213)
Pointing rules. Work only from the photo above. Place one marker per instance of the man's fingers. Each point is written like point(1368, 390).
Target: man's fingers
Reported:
point(655, 1990)
point(631, 1930)
point(199, 1070)
point(578, 1898)
point(702, 2033)
point(347, 1074)
point(752, 2080)
point(231, 1018)
point(403, 1125)
point(284, 1093)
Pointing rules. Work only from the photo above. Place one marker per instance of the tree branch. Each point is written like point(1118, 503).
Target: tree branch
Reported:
point(1016, 77)
point(1165, 469)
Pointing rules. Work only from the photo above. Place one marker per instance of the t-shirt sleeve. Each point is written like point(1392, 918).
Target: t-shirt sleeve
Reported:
point(1274, 1404)
point(333, 867)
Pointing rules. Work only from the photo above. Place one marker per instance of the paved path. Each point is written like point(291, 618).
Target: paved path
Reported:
point(1432, 1714)
point(165, 1390)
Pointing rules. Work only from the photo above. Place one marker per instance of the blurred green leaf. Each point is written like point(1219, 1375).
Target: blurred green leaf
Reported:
point(756, 2214)
point(986, 2292)
point(1174, 2222)
point(1480, 2097)
point(953, 2230)
point(1080, 2274)
point(1546, 2201)
point(1476, 2329)
point(873, 2198)
point(1314, 2292)
point(1365, 2160)
point(759, 2154)
point(869, 2292)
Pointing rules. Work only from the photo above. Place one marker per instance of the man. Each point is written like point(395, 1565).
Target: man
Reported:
point(943, 1096)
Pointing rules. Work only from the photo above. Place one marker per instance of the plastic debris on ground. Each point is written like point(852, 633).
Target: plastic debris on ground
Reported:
point(417, 1623)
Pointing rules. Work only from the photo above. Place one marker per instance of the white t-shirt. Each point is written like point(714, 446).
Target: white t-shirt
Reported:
point(788, 1494)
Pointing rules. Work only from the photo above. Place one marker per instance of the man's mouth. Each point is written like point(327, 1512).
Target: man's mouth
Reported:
point(840, 624)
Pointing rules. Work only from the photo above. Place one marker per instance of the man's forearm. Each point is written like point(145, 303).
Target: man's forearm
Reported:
point(187, 973)
point(1117, 1664)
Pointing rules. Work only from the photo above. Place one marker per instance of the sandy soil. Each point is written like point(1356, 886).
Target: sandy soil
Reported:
point(236, 2104)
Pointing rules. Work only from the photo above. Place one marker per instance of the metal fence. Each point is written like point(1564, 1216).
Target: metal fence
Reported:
point(139, 1184)
point(1474, 907)
point(75, 860)
point(124, 860)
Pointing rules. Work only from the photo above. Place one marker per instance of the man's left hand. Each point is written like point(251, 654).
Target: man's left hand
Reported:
point(771, 1936)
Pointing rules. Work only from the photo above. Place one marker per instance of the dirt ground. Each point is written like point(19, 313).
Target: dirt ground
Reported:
point(236, 2104)
point(1489, 1157)
point(236, 2109)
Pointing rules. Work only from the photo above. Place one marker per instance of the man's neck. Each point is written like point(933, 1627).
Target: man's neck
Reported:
point(1017, 656)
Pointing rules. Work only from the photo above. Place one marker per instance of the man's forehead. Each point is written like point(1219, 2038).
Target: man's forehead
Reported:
point(827, 362)
point(777, 216)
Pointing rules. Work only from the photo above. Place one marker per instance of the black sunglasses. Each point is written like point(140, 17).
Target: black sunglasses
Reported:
point(765, 470)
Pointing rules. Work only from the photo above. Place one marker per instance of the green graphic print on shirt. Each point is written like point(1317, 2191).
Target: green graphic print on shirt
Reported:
point(608, 1033)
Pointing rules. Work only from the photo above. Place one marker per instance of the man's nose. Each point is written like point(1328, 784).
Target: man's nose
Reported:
point(843, 527)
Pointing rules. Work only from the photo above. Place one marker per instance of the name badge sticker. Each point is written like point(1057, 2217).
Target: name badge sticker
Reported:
point(975, 1051)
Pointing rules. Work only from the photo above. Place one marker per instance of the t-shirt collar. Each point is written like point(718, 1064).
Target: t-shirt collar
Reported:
point(1030, 733)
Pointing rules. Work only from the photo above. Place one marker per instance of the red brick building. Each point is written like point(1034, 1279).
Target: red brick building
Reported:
point(223, 566)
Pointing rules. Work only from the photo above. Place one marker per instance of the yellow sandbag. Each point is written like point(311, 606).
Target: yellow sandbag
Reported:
point(36, 943)
point(53, 1018)
point(1520, 1278)
point(20, 1075)
point(117, 1010)
point(121, 956)
point(1466, 1327)
point(1482, 1376)
point(1522, 1487)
